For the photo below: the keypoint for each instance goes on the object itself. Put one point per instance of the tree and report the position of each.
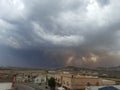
(51, 83)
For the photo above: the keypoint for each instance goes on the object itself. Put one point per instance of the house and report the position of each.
(107, 82)
(50, 74)
(60, 88)
(38, 80)
(20, 78)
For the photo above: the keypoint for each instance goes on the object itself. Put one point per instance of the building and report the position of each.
(79, 82)
(20, 78)
(60, 88)
(5, 86)
(38, 80)
(107, 82)
(76, 82)
(51, 74)
(29, 77)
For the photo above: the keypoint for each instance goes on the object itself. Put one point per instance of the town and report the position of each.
(67, 78)
(59, 44)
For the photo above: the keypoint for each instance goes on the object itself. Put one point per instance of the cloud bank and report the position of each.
(61, 33)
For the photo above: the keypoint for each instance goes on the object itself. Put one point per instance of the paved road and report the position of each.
(23, 87)
(36, 87)
(27, 87)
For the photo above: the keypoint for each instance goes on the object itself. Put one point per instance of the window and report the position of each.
(88, 84)
(67, 83)
(97, 83)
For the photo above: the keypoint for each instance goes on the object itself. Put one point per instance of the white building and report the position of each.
(108, 82)
(5, 86)
(38, 80)
(20, 78)
(60, 88)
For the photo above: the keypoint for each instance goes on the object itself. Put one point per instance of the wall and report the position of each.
(5, 86)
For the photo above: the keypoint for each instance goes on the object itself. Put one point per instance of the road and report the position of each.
(23, 87)
(27, 87)
(36, 87)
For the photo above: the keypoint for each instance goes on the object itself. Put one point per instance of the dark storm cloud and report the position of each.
(59, 33)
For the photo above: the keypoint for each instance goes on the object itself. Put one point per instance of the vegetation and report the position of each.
(51, 83)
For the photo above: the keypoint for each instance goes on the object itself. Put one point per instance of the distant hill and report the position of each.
(20, 68)
(72, 68)
(116, 68)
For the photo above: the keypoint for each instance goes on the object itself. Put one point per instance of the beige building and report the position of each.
(107, 82)
(78, 82)
(49, 75)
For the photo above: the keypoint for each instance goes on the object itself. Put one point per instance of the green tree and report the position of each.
(51, 83)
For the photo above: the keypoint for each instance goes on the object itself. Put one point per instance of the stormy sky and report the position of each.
(57, 33)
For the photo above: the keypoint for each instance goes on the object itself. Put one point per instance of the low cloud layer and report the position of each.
(60, 33)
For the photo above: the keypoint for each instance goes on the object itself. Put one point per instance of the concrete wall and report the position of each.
(5, 86)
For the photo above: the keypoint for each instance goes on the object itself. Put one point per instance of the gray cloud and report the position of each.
(76, 31)
(103, 2)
